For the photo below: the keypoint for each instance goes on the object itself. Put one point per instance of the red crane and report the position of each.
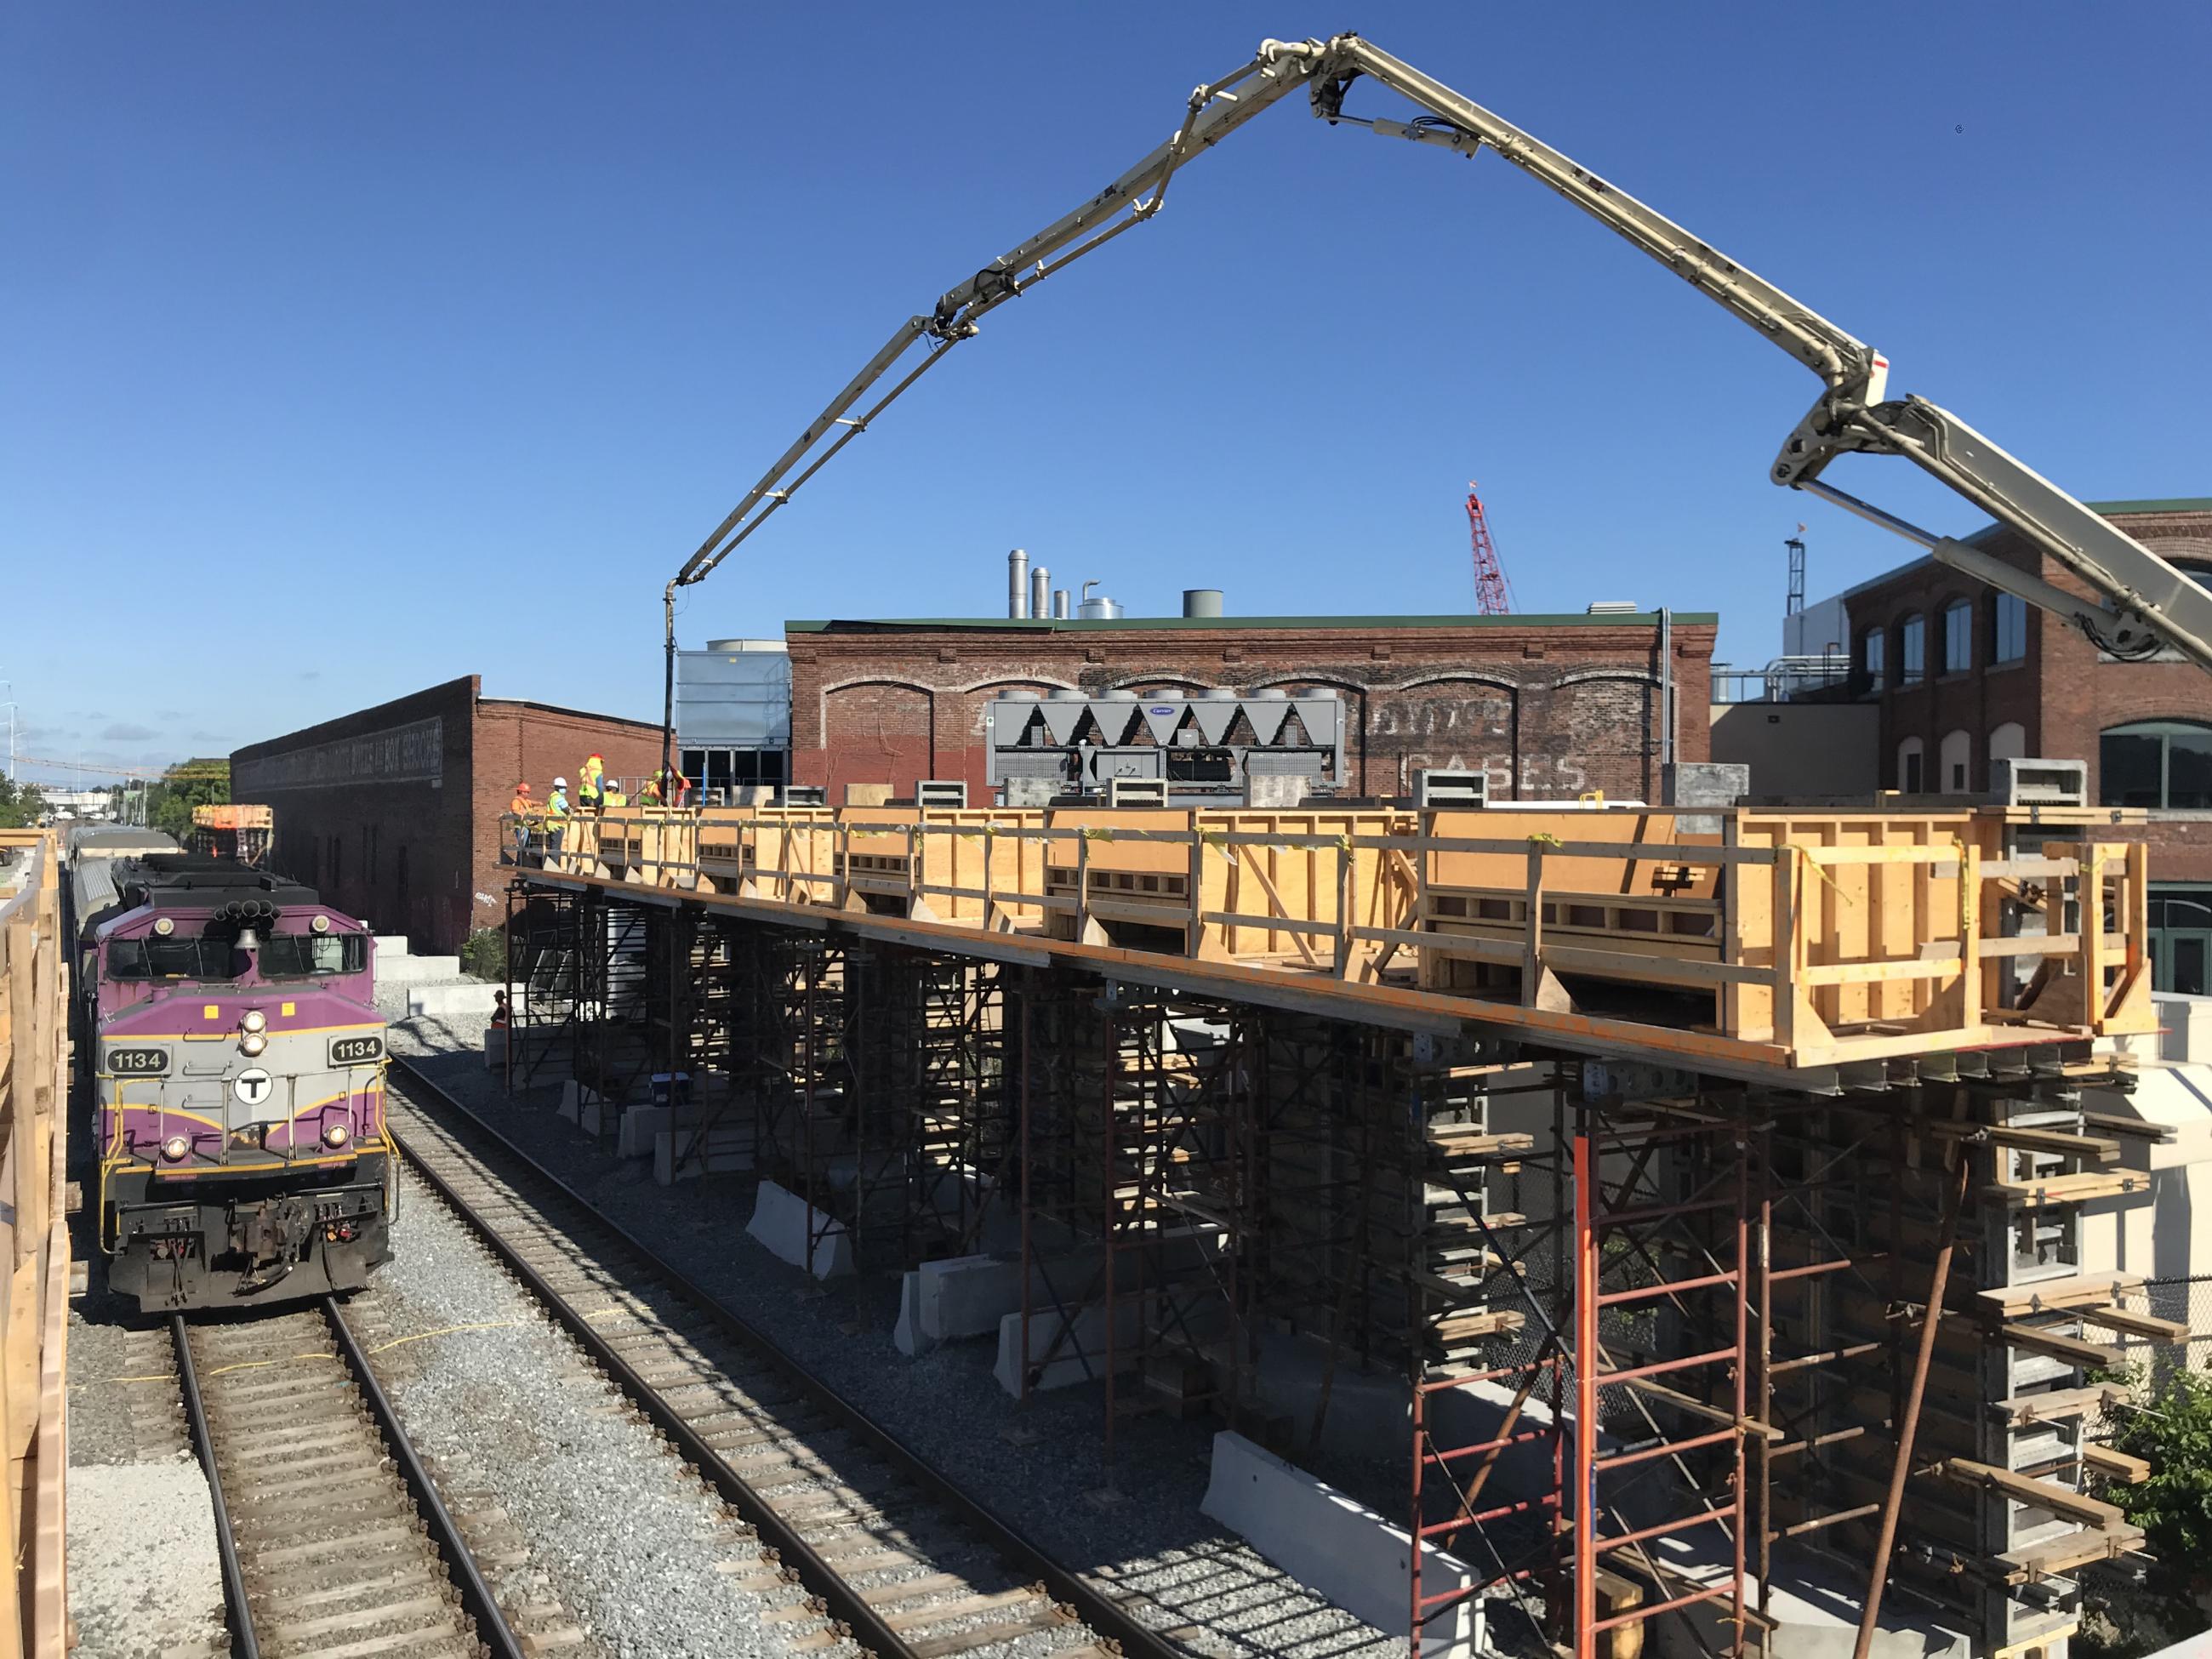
(1493, 594)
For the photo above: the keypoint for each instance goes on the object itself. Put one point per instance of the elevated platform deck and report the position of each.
(1822, 951)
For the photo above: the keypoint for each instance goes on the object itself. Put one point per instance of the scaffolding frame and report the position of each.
(1731, 1322)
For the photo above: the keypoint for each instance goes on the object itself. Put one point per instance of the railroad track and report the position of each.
(904, 1563)
(331, 1535)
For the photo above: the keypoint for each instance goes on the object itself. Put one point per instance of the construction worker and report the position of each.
(557, 815)
(611, 797)
(523, 808)
(588, 792)
(658, 786)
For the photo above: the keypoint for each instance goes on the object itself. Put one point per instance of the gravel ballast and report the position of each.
(1041, 1466)
(143, 1577)
(636, 1550)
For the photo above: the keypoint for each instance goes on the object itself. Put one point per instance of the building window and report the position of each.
(2009, 741)
(1909, 755)
(1873, 651)
(2156, 763)
(1956, 759)
(1958, 638)
(2181, 939)
(1911, 650)
(2008, 628)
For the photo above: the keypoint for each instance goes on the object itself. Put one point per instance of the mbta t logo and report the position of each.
(252, 1086)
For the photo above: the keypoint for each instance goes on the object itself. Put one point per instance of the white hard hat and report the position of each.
(560, 783)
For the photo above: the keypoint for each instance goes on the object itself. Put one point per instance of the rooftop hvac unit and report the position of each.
(1438, 786)
(1205, 743)
(941, 792)
(2039, 782)
(1136, 791)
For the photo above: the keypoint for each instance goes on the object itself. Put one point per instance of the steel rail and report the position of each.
(493, 1632)
(243, 1645)
(1100, 1611)
(476, 1598)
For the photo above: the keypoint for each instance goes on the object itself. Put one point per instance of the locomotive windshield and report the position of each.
(154, 957)
(295, 956)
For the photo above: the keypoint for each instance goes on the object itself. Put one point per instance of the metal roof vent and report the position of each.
(1614, 608)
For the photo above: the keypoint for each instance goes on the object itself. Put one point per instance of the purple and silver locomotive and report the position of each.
(238, 1063)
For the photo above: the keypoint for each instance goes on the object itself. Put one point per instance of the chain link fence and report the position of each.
(2187, 1301)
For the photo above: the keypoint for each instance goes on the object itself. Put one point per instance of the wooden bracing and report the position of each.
(1774, 940)
(35, 1246)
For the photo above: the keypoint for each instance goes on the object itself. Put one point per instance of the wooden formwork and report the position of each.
(1817, 937)
(34, 1249)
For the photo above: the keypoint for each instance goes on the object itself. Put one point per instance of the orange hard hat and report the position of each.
(521, 788)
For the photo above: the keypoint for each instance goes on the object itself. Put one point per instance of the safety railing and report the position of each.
(1874, 932)
(34, 1247)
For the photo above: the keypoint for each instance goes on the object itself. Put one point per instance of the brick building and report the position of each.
(1962, 674)
(1550, 706)
(393, 813)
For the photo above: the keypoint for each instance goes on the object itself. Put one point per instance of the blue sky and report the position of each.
(351, 348)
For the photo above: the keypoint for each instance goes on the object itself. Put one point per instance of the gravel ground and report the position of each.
(144, 1578)
(635, 1546)
(1041, 1467)
(143, 1572)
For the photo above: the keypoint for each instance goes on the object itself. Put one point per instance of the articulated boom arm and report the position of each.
(2141, 604)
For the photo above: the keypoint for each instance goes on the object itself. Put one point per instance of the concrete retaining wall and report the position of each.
(1336, 1548)
(783, 1221)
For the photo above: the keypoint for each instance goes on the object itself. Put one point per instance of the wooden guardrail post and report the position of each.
(1787, 930)
(33, 1247)
(1531, 947)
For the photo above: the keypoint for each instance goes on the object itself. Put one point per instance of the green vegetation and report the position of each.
(200, 783)
(2172, 1428)
(484, 955)
(19, 804)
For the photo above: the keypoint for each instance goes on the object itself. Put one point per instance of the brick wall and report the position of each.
(535, 743)
(1548, 708)
(393, 813)
(372, 809)
(2062, 695)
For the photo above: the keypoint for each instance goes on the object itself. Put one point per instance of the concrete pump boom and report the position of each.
(2140, 603)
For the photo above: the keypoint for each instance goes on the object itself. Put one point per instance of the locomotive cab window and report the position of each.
(153, 957)
(297, 956)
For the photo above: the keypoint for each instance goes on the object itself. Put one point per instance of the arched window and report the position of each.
(1954, 763)
(1911, 650)
(1958, 647)
(2008, 628)
(1909, 755)
(1873, 657)
(2009, 741)
(2156, 763)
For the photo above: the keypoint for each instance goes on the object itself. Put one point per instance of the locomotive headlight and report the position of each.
(252, 1044)
(321, 924)
(175, 1147)
(255, 1020)
(336, 1135)
(164, 926)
